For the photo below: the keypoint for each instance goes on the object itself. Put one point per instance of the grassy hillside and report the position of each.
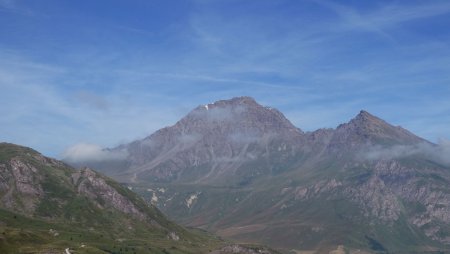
(20, 234)
(48, 206)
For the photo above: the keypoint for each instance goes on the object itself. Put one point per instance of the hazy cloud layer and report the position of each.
(84, 152)
(439, 153)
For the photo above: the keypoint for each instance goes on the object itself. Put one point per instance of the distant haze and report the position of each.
(91, 153)
(440, 152)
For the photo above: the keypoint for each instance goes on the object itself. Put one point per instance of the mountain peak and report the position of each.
(366, 118)
(365, 114)
(241, 100)
(367, 126)
(238, 114)
(233, 102)
(212, 136)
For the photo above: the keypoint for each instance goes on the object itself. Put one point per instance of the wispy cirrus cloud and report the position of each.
(42, 113)
(17, 7)
(386, 15)
(319, 62)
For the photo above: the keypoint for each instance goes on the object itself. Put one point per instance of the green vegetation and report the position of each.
(59, 213)
(20, 234)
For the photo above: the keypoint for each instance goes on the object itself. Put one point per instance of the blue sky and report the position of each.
(106, 72)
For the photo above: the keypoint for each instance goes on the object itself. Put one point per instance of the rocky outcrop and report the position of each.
(18, 178)
(314, 190)
(376, 200)
(90, 184)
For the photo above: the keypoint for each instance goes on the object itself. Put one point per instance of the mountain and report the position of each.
(48, 207)
(244, 171)
(213, 144)
(368, 129)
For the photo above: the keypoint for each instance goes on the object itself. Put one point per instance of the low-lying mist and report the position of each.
(439, 153)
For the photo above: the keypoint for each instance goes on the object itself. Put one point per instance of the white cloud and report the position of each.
(439, 153)
(389, 15)
(444, 151)
(84, 152)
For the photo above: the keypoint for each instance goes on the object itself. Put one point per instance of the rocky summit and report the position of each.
(212, 144)
(244, 171)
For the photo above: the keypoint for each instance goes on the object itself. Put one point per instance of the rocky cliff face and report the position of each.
(88, 183)
(424, 186)
(20, 179)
